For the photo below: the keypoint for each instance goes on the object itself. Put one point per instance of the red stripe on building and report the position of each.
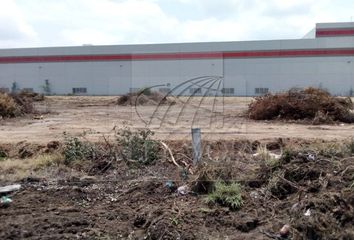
(180, 56)
(334, 32)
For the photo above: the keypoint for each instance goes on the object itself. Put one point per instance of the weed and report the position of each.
(19, 168)
(288, 155)
(75, 149)
(271, 160)
(174, 220)
(228, 195)
(330, 150)
(138, 146)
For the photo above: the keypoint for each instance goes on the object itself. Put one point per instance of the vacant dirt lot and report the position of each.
(291, 174)
(99, 115)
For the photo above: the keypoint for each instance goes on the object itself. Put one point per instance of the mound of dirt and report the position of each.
(144, 98)
(310, 103)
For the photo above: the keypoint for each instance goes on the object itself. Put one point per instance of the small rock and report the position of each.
(308, 213)
(254, 195)
(311, 157)
(182, 190)
(284, 231)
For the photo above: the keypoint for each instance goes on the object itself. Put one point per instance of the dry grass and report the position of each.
(16, 169)
(269, 158)
(8, 106)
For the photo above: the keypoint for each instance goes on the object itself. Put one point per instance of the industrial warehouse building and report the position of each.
(324, 58)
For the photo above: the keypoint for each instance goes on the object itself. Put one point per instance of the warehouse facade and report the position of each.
(325, 59)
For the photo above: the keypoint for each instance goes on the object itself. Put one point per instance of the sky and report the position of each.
(42, 23)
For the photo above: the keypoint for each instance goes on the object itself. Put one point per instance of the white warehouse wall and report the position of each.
(115, 70)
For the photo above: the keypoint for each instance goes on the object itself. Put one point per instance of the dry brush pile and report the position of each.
(309, 104)
(145, 98)
(17, 104)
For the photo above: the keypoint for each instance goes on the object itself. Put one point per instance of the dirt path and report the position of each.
(99, 115)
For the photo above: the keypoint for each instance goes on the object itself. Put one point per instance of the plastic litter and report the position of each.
(10, 188)
(284, 231)
(254, 195)
(170, 185)
(182, 190)
(308, 213)
(311, 157)
(5, 201)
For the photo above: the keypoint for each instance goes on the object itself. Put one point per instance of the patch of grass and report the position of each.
(271, 160)
(138, 146)
(330, 150)
(228, 195)
(20, 168)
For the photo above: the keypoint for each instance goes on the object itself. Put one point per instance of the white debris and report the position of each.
(10, 188)
(308, 213)
(183, 190)
(295, 207)
(254, 195)
(311, 157)
(284, 231)
(5, 201)
(272, 155)
(275, 156)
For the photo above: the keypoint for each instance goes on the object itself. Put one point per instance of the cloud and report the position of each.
(13, 27)
(36, 23)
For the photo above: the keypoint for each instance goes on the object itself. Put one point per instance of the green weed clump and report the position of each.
(75, 149)
(139, 146)
(228, 195)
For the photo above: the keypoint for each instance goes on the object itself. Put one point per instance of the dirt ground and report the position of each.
(134, 202)
(99, 115)
(310, 188)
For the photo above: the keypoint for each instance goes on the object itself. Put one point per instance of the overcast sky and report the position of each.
(40, 23)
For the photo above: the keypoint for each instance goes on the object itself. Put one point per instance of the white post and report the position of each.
(196, 144)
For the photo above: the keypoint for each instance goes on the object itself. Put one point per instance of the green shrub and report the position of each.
(228, 195)
(138, 146)
(75, 149)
